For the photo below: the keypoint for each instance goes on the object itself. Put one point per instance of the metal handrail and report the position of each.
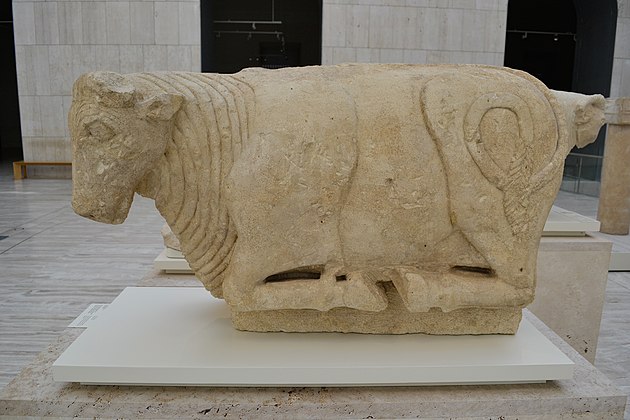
(586, 155)
(580, 159)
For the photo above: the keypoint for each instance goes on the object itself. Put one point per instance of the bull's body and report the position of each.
(438, 179)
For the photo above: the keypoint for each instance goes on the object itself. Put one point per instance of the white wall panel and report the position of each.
(24, 14)
(381, 27)
(142, 22)
(155, 58)
(31, 123)
(107, 57)
(344, 55)
(189, 24)
(357, 26)
(41, 66)
(25, 69)
(118, 28)
(61, 70)
(94, 22)
(58, 40)
(131, 58)
(390, 55)
(166, 23)
(46, 23)
(334, 26)
(52, 118)
(70, 18)
(178, 58)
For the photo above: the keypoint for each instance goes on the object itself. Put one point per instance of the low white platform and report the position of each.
(620, 261)
(620, 257)
(561, 222)
(183, 336)
(175, 264)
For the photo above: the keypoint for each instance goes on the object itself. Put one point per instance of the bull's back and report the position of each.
(397, 209)
(350, 157)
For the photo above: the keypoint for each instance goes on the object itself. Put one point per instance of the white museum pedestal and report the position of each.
(183, 336)
(171, 261)
(34, 393)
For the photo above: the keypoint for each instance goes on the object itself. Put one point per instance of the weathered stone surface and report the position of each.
(335, 189)
(614, 199)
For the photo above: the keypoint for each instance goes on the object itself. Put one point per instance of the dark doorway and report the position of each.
(541, 38)
(569, 45)
(259, 33)
(10, 134)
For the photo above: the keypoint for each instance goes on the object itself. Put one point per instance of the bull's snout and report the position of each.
(113, 212)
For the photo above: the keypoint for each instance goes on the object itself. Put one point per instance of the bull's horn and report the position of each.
(110, 89)
(161, 107)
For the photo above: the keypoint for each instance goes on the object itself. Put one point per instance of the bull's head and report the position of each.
(118, 134)
(585, 116)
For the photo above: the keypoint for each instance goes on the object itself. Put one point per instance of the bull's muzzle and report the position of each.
(112, 212)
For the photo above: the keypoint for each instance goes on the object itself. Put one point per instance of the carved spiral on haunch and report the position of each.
(518, 162)
(514, 181)
(208, 134)
(520, 179)
(556, 161)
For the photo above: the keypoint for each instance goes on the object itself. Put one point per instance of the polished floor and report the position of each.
(53, 263)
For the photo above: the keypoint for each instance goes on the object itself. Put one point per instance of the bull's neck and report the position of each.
(187, 182)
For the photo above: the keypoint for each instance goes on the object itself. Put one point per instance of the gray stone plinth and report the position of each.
(589, 395)
(572, 275)
(614, 197)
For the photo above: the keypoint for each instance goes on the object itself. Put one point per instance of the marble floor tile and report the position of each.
(54, 263)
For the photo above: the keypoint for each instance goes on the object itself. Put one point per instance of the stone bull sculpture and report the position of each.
(355, 198)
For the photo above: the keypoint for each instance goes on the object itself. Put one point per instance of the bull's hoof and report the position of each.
(414, 290)
(361, 292)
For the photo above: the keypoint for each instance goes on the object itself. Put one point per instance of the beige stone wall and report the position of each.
(414, 31)
(56, 41)
(620, 82)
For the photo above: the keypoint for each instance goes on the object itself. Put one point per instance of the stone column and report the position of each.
(614, 197)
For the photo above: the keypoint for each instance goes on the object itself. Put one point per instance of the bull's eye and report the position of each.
(99, 130)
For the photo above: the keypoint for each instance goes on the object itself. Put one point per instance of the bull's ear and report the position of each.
(160, 107)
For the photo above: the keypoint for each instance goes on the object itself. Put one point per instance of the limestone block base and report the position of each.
(571, 286)
(396, 319)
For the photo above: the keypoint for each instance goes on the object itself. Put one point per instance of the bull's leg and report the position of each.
(505, 279)
(456, 289)
(508, 280)
(319, 287)
(330, 288)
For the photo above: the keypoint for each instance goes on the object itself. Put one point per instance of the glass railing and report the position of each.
(582, 174)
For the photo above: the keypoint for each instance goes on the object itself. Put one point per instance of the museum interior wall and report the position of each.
(414, 31)
(56, 41)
